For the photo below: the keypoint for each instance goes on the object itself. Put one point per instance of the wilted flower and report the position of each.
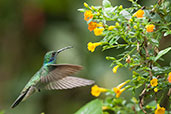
(128, 59)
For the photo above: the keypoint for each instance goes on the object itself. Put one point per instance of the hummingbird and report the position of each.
(52, 76)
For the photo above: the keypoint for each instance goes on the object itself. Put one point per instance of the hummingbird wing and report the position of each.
(59, 71)
(68, 82)
(59, 77)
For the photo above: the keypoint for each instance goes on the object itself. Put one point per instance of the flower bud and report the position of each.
(116, 24)
(93, 8)
(85, 4)
(120, 7)
(135, 27)
(111, 27)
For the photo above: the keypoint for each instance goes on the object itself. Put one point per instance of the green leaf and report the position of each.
(167, 33)
(93, 107)
(106, 4)
(161, 53)
(126, 14)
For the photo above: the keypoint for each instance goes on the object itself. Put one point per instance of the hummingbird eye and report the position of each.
(53, 54)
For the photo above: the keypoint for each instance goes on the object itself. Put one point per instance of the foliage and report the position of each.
(138, 30)
(94, 107)
(2, 112)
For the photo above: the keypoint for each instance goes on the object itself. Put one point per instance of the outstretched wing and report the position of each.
(59, 71)
(68, 82)
(60, 77)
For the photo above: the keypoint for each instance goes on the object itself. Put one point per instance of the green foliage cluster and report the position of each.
(141, 54)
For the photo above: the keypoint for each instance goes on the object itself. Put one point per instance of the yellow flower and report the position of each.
(150, 28)
(92, 46)
(88, 15)
(93, 8)
(120, 7)
(159, 110)
(115, 69)
(85, 4)
(96, 91)
(135, 27)
(154, 82)
(169, 77)
(122, 84)
(105, 107)
(139, 13)
(116, 24)
(111, 27)
(131, 20)
(118, 89)
(155, 90)
(92, 26)
(100, 24)
(98, 31)
(98, 13)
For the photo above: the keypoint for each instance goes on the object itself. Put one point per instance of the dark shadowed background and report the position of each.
(30, 28)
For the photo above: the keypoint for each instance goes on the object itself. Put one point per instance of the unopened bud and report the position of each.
(116, 24)
(111, 27)
(98, 13)
(120, 7)
(93, 8)
(135, 27)
(85, 4)
(131, 20)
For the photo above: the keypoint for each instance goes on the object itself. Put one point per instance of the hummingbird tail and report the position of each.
(19, 99)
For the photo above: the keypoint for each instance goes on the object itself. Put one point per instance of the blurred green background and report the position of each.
(30, 28)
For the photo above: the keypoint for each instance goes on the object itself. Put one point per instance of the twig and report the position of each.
(141, 97)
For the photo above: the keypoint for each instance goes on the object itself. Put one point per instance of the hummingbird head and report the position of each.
(50, 57)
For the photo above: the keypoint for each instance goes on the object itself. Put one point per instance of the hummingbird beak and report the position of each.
(60, 50)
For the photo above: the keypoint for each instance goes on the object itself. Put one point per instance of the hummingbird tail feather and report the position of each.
(19, 99)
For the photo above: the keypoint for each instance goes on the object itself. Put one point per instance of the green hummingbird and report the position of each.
(52, 76)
